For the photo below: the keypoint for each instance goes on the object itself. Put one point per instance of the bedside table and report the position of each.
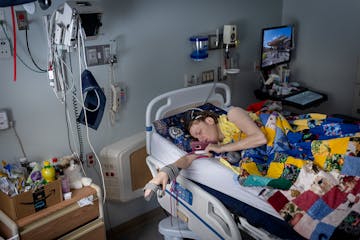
(65, 220)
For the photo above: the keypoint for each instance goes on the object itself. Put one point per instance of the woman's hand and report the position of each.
(214, 148)
(160, 179)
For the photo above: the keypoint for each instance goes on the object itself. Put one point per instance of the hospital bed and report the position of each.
(207, 196)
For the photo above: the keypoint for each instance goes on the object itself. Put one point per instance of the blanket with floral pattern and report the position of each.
(311, 166)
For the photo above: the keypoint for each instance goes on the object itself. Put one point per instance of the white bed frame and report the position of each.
(204, 214)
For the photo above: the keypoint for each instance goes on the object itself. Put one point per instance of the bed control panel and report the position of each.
(182, 193)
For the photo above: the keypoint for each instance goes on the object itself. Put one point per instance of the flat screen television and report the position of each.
(277, 43)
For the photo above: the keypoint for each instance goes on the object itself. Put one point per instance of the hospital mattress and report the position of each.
(211, 173)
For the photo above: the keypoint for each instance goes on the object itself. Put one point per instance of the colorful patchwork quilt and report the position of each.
(311, 170)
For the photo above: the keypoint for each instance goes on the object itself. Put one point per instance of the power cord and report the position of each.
(81, 44)
(11, 46)
(12, 125)
(28, 48)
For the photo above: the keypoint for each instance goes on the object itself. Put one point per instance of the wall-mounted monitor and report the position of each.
(276, 46)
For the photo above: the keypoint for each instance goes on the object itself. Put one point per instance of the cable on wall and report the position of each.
(14, 35)
(81, 45)
(17, 55)
(76, 113)
(28, 49)
(12, 125)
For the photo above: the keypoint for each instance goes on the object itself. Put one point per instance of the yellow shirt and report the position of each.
(229, 130)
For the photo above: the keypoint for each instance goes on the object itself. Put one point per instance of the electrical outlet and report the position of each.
(208, 76)
(98, 54)
(22, 20)
(5, 50)
(90, 159)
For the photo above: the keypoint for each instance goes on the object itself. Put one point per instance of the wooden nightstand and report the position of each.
(65, 220)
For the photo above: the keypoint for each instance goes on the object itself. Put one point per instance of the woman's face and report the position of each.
(205, 131)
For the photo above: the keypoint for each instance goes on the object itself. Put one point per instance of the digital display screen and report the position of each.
(304, 98)
(276, 46)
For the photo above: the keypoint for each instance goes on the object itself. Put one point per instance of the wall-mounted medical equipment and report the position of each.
(199, 47)
(229, 34)
(98, 54)
(90, 15)
(67, 28)
(230, 40)
(94, 101)
(44, 4)
(8, 3)
(66, 21)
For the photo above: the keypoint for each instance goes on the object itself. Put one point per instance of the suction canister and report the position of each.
(199, 48)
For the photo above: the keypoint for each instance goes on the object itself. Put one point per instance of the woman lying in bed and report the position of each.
(310, 165)
(206, 127)
(273, 149)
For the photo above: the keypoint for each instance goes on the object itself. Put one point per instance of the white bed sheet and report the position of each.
(210, 172)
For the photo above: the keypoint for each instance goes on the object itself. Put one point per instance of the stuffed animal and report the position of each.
(74, 174)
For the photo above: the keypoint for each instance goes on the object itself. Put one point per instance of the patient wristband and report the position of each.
(171, 170)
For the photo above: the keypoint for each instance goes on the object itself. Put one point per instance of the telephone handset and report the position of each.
(116, 97)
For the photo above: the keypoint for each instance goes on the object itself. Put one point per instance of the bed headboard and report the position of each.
(180, 100)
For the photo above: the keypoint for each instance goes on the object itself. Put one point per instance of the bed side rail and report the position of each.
(183, 97)
(204, 214)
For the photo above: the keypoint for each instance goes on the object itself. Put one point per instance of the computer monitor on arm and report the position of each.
(276, 45)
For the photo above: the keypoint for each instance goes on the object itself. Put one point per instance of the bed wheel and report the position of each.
(173, 228)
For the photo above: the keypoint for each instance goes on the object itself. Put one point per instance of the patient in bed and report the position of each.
(308, 164)
(223, 133)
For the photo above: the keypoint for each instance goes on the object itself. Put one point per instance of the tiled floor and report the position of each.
(146, 229)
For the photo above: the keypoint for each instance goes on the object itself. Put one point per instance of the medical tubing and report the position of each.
(76, 113)
(31, 57)
(211, 91)
(67, 124)
(83, 44)
(72, 134)
(69, 70)
(78, 126)
(73, 85)
(86, 122)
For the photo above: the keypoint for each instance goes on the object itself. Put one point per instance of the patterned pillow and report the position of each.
(173, 127)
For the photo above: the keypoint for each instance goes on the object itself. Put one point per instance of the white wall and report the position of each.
(327, 48)
(153, 53)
